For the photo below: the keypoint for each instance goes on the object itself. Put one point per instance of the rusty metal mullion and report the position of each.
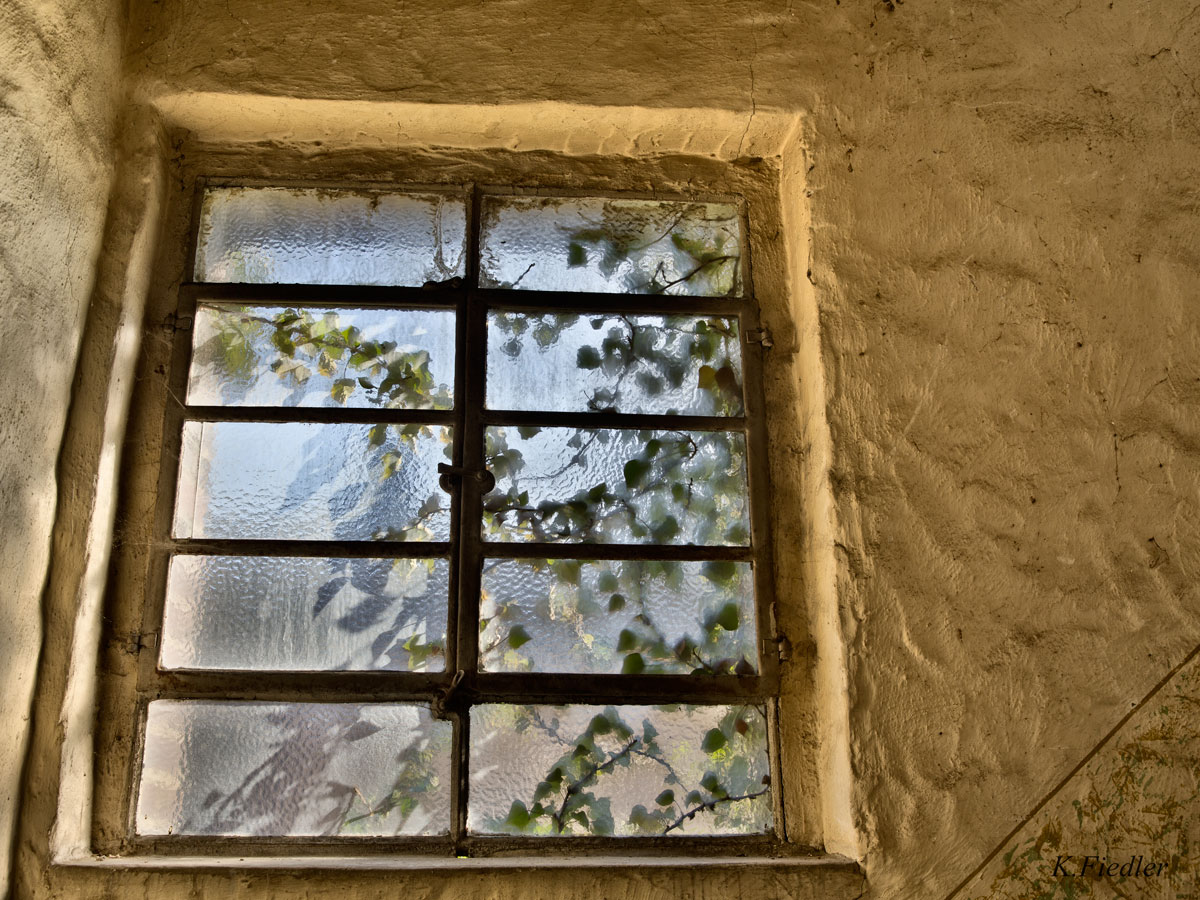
(558, 688)
(676, 552)
(593, 420)
(343, 296)
(174, 416)
(468, 458)
(320, 415)
(508, 300)
(757, 471)
(300, 687)
(319, 549)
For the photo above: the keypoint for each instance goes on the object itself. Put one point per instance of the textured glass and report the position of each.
(623, 770)
(302, 769)
(305, 614)
(305, 481)
(619, 485)
(605, 616)
(630, 364)
(283, 356)
(612, 246)
(277, 235)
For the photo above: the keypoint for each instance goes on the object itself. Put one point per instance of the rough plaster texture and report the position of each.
(1002, 204)
(59, 83)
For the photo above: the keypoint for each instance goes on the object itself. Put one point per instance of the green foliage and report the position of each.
(581, 787)
(681, 248)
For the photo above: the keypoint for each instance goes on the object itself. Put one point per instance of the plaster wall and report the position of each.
(1001, 203)
(60, 69)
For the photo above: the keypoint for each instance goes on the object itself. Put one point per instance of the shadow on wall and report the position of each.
(1125, 825)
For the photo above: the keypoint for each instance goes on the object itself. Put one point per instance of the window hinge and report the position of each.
(136, 642)
(760, 336)
(175, 323)
(783, 647)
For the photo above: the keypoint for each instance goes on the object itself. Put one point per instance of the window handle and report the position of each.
(485, 479)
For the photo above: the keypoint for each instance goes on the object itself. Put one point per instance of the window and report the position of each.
(466, 550)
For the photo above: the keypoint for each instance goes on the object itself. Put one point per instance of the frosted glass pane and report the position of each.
(306, 481)
(305, 769)
(623, 771)
(605, 617)
(613, 246)
(305, 614)
(282, 356)
(278, 235)
(621, 485)
(629, 364)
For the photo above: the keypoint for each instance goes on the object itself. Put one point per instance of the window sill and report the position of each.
(830, 864)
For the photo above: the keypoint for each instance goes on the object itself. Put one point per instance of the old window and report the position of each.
(465, 548)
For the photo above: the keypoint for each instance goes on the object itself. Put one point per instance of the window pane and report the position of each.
(282, 356)
(305, 614)
(276, 769)
(605, 617)
(630, 364)
(623, 771)
(622, 485)
(611, 246)
(305, 481)
(278, 235)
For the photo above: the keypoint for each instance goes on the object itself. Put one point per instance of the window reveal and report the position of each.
(463, 543)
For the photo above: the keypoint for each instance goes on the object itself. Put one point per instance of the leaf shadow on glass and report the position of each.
(300, 769)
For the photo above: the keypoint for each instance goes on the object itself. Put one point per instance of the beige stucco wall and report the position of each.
(59, 84)
(1002, 206)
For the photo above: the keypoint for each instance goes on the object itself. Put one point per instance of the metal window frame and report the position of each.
(466, 550)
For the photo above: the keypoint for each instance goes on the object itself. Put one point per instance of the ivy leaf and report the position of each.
(727, 617)
(665, 530)
(633, 665)
(713, 741)
(377, 435)
(720, 571)
(576, 255)
(666, 798)
(627, 640)
(635, 471)
(518, 816)
(587, 358)
(518, 636)
(616, 603)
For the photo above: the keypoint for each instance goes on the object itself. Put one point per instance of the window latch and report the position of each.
(760, 336)
(442, 699)
(485, 479)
